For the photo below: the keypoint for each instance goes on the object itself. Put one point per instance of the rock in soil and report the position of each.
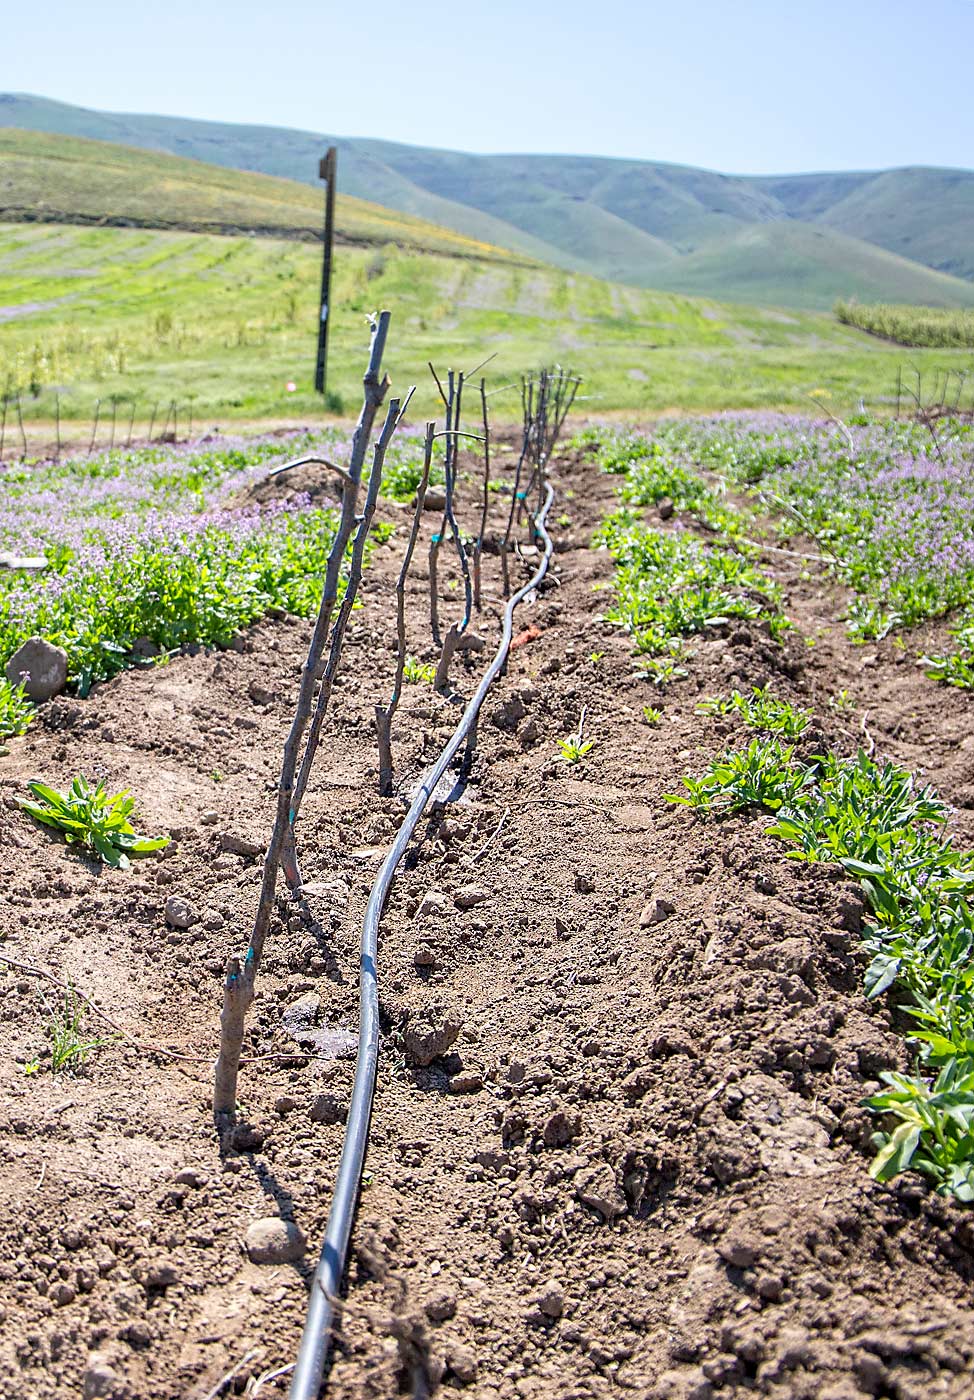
(427, 1039)
(179, 912)
(45, 665)
(274, 1241)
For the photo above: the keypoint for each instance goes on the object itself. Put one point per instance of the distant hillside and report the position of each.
(56, 179)
(800, 240)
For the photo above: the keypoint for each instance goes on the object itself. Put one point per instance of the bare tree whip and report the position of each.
(384, 716)
(240, 977)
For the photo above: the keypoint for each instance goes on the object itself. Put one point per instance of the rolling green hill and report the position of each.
(58, 179)
(651, 224)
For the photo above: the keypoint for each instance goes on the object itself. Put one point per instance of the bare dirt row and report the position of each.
(640, 1165)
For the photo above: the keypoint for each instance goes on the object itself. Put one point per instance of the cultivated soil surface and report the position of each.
(641, 1166)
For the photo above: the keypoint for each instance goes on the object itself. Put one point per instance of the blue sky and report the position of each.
(754, 87)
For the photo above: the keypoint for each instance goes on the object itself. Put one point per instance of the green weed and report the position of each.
(89, 817)
(761, 710)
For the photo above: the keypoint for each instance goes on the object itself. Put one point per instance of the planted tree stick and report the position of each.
(152, 420)
(241, 975)
(479, 546)
(128, 439)
(57, 426)
(384, 717)
(393, 417)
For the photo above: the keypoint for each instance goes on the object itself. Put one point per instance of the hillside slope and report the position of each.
(56, 179)
(648, 223)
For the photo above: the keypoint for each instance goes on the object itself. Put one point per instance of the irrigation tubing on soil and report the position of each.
(316, 1339)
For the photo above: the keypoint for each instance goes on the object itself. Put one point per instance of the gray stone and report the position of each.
(597, 1188)
(551, 1301)
(470, 895)
(179, 912)
(46, 668)
(425, 1040)
(192, 1176)
(327, 1108)
(435, 499)
(101, 1380)
(236, 845)
(274, 1241)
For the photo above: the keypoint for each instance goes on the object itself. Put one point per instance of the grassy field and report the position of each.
(223, 324)
(911, 325)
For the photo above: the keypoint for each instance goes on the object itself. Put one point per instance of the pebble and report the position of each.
(584, 883)
(209, 818)
(433, 902)
(235, 844)
(192, 1176)
(327, 1108)
(424, 957)
(469, 896)
(425, 1039)
(179, 912)
(101, 1380)
(551, 1301)
(664, 508)
(274, 1241)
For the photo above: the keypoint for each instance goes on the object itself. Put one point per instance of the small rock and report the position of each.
(469, 896)
(463, 1363)
(432, 902)
(560, 1129)
(435, 499)
(137, 1335)
(260, 694)
(530, 734)
(597, 1188)
(551, 1301)
(424, 957)
(101, 1380)
(466, 1083)
(647, 915)
(285, 1103)
(161, 1276)
(71, 1237)
(46, 668)
(425, 1040)
(664, 508)
(179, 912)
(327, 1108)
(210, 818)
(662, 909)
(236, 845)
(584, 883)
(62, 1294)
(737, 1250)
(274, 1241)
(192, 1176)
(442, 1305)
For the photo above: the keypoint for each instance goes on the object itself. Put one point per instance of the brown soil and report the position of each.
(640, 1169)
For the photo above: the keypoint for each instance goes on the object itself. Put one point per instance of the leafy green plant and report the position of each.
(418, 672)
(651, 715)
(669, 584)
(662, 670)
(70, 1047)
(760, 710)
(888, 832)
(575, 747)
(88, 816)
(16, 711)
(956, 667)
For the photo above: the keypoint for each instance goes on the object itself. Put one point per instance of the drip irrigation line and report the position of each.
(316, 1339)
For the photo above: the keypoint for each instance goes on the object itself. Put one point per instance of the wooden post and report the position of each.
(326, 172)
